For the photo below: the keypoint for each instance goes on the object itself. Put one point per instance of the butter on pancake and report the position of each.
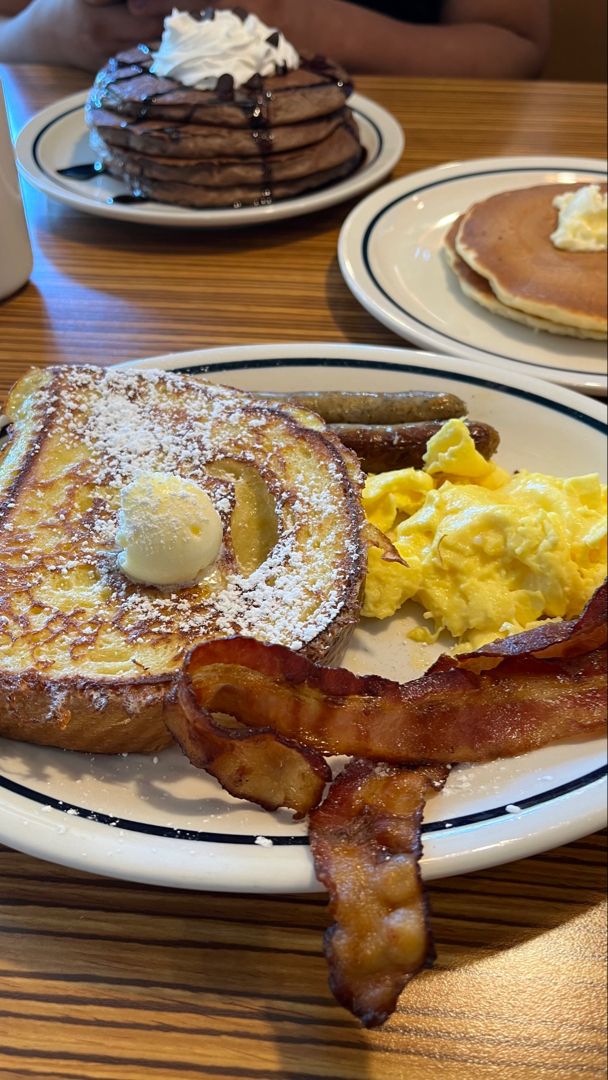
(478, 288)
(506, 239)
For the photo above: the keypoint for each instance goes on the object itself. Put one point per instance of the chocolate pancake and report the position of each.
(273, 138)
(127, 87)
(237, 195)
(338, 148)
(478, 288)
(507, 240)
(195, 141)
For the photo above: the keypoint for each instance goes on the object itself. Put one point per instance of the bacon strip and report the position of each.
(503, 699)
(449, 715)
(365, 842)
(257, 765)
(561, 638)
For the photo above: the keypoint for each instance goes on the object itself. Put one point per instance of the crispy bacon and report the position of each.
(365, 841)
(561, 638)
(257, 765)
(503, 699)
(449, 715)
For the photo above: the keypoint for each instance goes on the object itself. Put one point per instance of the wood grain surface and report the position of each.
(105, 979)
(111, 980)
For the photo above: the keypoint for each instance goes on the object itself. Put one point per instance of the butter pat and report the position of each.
(168, 529)
(581, 224)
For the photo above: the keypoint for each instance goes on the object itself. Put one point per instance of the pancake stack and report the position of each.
(503, 257)
(272, 138)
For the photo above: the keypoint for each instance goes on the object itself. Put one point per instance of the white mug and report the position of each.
(15, 248)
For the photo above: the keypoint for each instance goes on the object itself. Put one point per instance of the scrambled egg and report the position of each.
(487, 554)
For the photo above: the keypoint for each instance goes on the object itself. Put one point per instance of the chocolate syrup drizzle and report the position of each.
(256, 104)
(90, 169)
(87, 171)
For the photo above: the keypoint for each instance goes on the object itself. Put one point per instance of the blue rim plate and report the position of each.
(390, 257)
(159, 820)
(57, 138)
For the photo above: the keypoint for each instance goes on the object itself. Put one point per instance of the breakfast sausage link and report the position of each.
(360, 407)
(381, 447)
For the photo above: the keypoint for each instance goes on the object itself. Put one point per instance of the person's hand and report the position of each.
(82, 33)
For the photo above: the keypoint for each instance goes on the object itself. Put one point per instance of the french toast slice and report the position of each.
(86, 655)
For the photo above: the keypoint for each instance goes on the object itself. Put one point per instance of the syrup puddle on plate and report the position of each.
(87, 171)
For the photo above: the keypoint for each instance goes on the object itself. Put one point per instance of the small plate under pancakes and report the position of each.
(390, 253)
(57, 138)
(157, 819)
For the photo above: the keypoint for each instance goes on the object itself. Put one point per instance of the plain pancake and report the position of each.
(506, 239)
(478, 288)
(127, 87)
(156, 137)
(337, 148)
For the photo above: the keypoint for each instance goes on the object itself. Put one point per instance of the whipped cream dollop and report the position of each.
(581, 223)
(168, 529)
(198, 52)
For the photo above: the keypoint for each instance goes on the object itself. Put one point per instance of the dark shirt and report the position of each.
(415, 11)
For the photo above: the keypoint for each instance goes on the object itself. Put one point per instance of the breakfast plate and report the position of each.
(57, 139)
(157, 819)
(391, 259)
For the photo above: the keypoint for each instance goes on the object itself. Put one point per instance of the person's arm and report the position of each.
(11, 7)
(479, 38)
(491, 38)
(77, 33)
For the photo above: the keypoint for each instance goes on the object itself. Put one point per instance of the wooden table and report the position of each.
(106, 979)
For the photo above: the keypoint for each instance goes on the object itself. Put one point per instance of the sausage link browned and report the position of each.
(381, 447)
(359, 407)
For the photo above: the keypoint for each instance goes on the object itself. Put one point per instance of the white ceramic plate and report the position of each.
(57, 138)
(159, 820)
(390, 256)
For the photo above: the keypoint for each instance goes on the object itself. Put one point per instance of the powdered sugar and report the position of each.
(117, 424)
